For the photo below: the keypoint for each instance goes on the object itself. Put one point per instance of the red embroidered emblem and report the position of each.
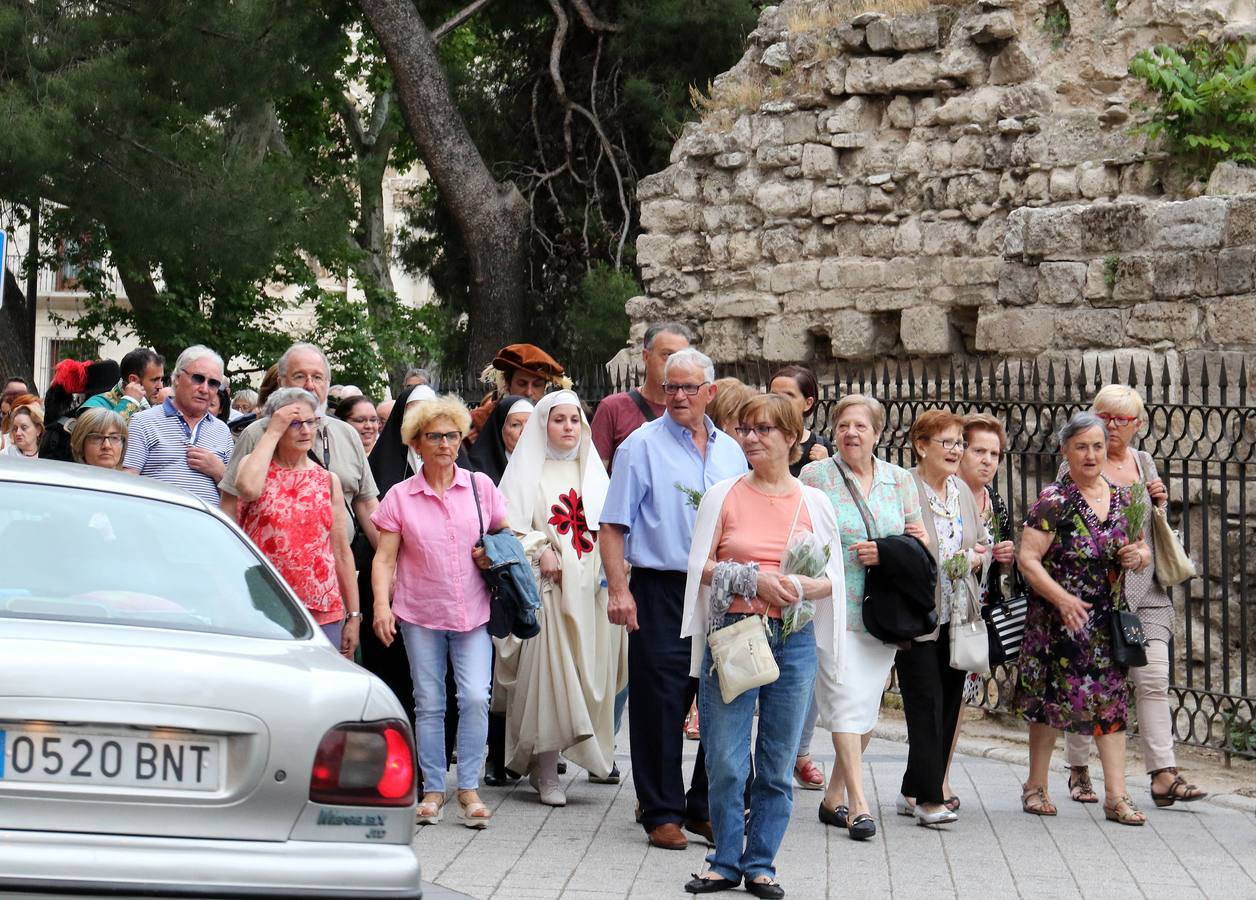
(568, 517)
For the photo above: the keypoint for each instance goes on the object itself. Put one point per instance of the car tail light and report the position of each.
(365, 764)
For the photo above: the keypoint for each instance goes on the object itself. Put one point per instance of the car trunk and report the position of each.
(122, 730)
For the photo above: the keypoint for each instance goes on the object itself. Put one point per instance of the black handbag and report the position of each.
(1129, 642)
(513, 596)
(1005, 625)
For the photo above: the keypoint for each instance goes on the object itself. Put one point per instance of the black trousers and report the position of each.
(658, 670)
(932, 693)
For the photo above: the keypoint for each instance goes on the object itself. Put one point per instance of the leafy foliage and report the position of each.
(1206, 107)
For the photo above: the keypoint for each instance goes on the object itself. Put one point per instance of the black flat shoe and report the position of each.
(700, 885)
(495, 779)
(834, 817)
(862, 828)
(768, 890)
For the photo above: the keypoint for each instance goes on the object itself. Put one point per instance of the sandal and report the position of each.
(429, 811)
(1036, 802)
(1080, 788)
(952, 803)
(692, 732)
(807, 775)
(473, 814)
(1123, 811)
(1178, 790)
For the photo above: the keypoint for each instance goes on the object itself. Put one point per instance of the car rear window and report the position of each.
(91, 556)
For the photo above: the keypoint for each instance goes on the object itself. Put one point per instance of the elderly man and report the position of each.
(142, 372)
(180, 441)
(647, 521)
(619, 415)
(336, 445)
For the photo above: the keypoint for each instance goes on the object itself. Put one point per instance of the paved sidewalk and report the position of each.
(592, 849)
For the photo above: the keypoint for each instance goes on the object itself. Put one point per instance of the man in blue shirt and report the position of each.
(647, 522)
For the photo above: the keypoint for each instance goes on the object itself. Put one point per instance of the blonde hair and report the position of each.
(419, 415)
(730, 396)
(982, 422)
(1119, 399)
(96, 421)
(780, 411)
(876, 412)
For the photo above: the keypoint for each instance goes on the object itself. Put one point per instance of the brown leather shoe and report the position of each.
(668, 836)
(702, 829)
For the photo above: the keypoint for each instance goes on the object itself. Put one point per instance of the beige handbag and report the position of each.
(742, 657)
(1173, 564)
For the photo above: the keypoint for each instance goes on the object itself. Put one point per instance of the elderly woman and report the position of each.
(849, 704)
(359, 411)
(425, 582)
(729, 397)
(744, 528)
(1121, 409)
(558, 689)
(99, 438)
(986, 441)
(932, 690)
(25, 426)
(293, 510)
(1073, 548)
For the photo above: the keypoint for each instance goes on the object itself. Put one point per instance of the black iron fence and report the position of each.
(1202, 435)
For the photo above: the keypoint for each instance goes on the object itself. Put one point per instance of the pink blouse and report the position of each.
(438, 584)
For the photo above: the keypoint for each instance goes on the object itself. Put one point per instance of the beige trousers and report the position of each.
(1155, 720)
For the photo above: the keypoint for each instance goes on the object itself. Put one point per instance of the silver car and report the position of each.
(171, 719)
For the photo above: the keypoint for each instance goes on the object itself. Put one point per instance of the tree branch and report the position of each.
(590, 19)
(458, 18)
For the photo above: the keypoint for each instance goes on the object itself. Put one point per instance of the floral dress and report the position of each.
(1069, 681)
(291, 522)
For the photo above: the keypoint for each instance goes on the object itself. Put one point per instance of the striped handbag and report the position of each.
(1005, 626)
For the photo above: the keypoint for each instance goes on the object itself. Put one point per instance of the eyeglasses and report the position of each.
(198, 378)
(298, 424)
(949, 444)
(366, 420)
(300, 378)
(1113, 419)
(440, 437)
(761, 430)
(95, 438)
(690, 390)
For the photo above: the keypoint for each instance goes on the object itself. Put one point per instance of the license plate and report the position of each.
(62, 754)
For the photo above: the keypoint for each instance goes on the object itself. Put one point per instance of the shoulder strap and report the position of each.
(478, 513)
(639, 400)
(1142, 465)
(853, 488)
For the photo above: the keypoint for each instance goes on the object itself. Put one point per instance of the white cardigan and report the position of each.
(830, 617)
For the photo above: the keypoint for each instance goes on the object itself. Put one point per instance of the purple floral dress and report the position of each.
(1069, 681)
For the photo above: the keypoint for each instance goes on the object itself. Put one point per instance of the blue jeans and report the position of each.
(472, 656)
(743, 851)
(621, 700)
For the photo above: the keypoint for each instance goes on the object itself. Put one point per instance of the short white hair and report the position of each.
(302, 346)
(689, 357)
(285, 396)
(192, 354)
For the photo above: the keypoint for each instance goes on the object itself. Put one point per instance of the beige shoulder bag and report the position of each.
(1173, 564)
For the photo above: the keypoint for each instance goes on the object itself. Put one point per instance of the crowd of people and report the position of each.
(685, 510)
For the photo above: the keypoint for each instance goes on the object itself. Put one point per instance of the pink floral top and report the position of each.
(291, 523)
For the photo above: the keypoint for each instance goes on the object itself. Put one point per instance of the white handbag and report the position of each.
(742, 657)
(970, 640)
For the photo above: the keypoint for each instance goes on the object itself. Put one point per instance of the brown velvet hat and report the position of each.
(530, 359)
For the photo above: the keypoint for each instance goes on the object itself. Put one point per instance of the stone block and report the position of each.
(817, 301)
(1025, 100)
(1063, 185)
(1097, 180)
(965, 271)
(1241, 222)
(912, 73)
(776, 57)
(1089, 328)
(734, 160)
(1232, 320)
(1134, 279)
(800, 127)
(730, 340)
(795, 276)
(826, 202)
(771, 156)
(1037, 186)
(1151, 322)
(833, 76)
(743, 249)
(780, 244)
(914, 158)
(660, 184)
(1011, 65)
(1231, 178)
(667, 215)
(866, 75)
(746, 304)
(766, 130)
(1060, 283)
(879, 200)
(672, 283)
(1200, 222)
(848, 141)
(1018, 285)
(927, 331)
(852, 272)
(818, 161)
(917, 32)
(854, 199)
(858, 335)
(781, 200)
(946, 238)
(730, 217)
(1096, 286)
(879, 35)
(970, 296)
(689, 250)
(899, 113)
(969, 153)
(992, 28)
(1082, 231)
(964, 62)
(1236, 270)
(907, 238)
(850, 115)
(886, 301)
(911, 273)
(786, 339)
(1014, 331)
(876, 240)
(654, 250)
(1184, 274)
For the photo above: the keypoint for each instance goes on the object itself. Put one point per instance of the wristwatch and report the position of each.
(356, 614)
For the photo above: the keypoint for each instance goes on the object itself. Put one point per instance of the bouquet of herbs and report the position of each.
(692, 497)
(1136, 512)
(956, 566)
(806, 556)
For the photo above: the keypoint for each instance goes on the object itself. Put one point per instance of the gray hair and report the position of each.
(424, 376)
(247, 395)
(192, 354)
(677, 328)
(285, 396)
(298, 348)
(690, 357)
(1081, 421)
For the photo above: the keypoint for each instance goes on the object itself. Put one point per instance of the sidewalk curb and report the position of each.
(1020, 756)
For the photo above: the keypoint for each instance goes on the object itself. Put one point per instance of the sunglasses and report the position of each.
(198, 378)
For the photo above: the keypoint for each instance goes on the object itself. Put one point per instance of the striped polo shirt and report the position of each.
(157, 446)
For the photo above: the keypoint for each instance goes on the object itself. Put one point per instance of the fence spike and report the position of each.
(1204, 381)
(1223, 382)
(1131, 376)
(1147, 380)
(1243, 382)
(1066, 380)
(1164, 382)
(885, 378)
(1050, 380)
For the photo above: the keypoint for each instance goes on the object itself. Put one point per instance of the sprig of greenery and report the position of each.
(693, 497)
(1136, 511)
(956, 566)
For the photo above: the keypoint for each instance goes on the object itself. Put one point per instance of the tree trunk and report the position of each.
(491, 217)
